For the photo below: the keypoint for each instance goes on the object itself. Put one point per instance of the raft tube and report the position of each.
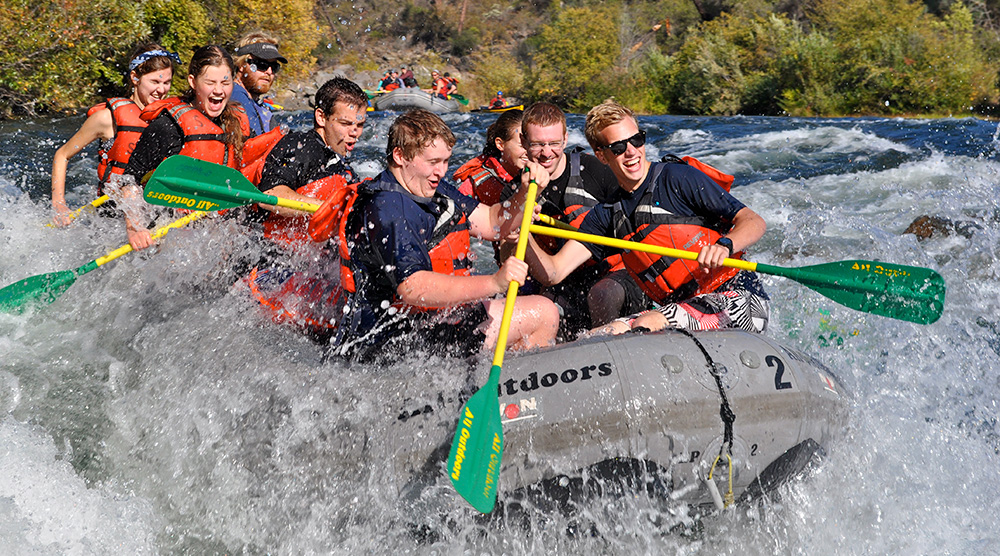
(408, 98)
(641, 410)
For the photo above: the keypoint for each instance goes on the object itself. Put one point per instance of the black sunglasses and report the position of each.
(619, 147)
(261, 65)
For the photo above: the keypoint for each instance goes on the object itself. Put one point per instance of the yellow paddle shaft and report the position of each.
(160, 232)
(634, 246)
(522, 248)
(93, 204)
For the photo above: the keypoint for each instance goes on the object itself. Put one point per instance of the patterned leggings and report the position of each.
(736, 308)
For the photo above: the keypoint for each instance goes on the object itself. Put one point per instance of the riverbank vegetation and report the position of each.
(702, 57)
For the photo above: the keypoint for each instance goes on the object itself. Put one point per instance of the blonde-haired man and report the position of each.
(674, 205)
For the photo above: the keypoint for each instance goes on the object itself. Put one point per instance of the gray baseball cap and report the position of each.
(262, 50)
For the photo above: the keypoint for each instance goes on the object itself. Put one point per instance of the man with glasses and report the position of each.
(257, 63)
(673, 205)
(578, 181)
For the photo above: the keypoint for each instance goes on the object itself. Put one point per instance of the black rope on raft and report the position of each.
(725, 410)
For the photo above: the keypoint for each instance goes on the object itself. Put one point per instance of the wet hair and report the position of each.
(251, 38)
(213, 55)
(503, 128)
(339, 89)
(155, 63)
(414, 131)
(605, 114)
(542, 114)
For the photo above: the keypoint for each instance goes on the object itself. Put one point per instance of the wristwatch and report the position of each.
(727, 243)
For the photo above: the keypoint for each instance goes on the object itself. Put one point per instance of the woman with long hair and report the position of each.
(201, 123)
(115, 122)
(500, 163)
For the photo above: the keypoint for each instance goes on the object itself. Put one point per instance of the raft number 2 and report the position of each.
(775, 363)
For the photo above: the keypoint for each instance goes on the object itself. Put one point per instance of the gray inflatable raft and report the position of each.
(406, 99)
(646, 411)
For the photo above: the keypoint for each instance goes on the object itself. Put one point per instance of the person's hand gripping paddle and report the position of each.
(476, 450)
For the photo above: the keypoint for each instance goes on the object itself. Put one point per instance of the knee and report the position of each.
(653, 320)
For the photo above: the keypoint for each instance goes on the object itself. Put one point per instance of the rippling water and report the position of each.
(153, 409)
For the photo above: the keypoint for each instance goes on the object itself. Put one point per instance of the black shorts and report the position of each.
(636, 300)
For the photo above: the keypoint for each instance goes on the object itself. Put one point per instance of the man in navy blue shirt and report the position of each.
(257, 65)
(408, 234)
(672, 205)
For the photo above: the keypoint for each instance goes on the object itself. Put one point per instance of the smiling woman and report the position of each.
(115, 122)
(201, 123)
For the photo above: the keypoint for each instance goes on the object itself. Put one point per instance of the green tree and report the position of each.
(574, 53)
(58, 52)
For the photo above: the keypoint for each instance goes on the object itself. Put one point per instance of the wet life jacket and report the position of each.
(255, 151)
(290, 231)
(301, 299)
(448, 249)
(665, 279)
(483, 178)
(203, 138)
(576, 201)
(128, 127)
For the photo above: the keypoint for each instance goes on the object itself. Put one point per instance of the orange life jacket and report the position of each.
(486, 179)
(128, 127)
(307, 302)
(291, 231)
(449, 246)
(203, 139)
(665, 279)
(255, 151)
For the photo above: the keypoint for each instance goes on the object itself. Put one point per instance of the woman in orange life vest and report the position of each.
(115, 122)
(503, 157)
(201, 123)
(675, 205)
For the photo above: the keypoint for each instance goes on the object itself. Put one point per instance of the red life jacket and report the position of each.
(448, 249)
(255, 151)
(301, 299)
(291, 231)
(203, 139)
(665, 279)
(483, 178)
(128, 127)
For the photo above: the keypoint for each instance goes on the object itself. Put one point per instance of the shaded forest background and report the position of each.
(702, 57)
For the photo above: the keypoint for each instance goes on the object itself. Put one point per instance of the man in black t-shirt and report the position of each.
(303, 157)
(578, 181)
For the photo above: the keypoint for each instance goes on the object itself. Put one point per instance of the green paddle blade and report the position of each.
(35, 290)
(909, 293)
(461, 99)
(188, 183)
(474, 461)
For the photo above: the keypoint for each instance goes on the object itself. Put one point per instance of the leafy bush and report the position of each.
(56, 54)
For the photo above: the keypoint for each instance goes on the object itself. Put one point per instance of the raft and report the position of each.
(639, 410)
(408, 98)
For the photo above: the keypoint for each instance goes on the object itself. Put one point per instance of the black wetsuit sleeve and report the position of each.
(599, 180)
(162, 138)
(287, 164)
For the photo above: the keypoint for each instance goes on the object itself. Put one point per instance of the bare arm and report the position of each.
(552, 269)
(97, 126)
(285, 192)
(748, 228)
(432, 289)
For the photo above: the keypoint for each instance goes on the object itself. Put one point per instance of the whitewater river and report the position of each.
(152, 409)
